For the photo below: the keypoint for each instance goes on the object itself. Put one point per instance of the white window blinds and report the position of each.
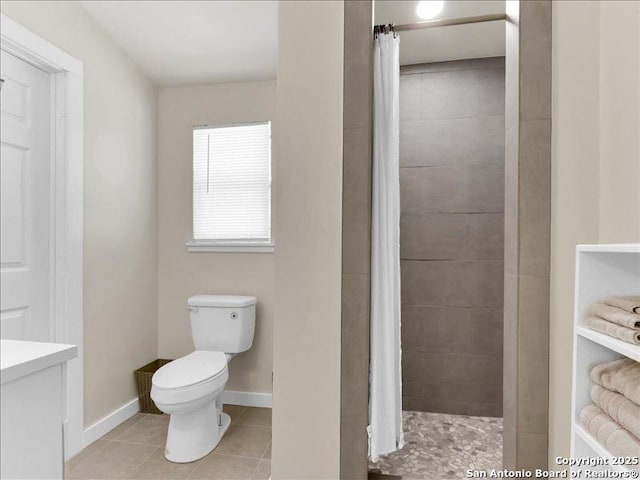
(232, 183)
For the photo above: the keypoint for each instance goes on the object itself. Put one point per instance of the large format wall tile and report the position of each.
(485, 188)
(486, 236)
(453, 369)
(356, 203)
(452, 189)
(486, 332)
(429, 190)
(435, 329)
(532, 450)
(456, 141)
(412, 373)
(535, 67)
(429, 329)
(460, 379)
(533, 358)
(428, 403)
(357, 39)
(455, 236)
(535, 198)
(465, 93)
(355, 335)
(357, 97)
(472, 63)
(353, 464)
(455, 283)
(410, 97)
(509, 441)
(434, 236)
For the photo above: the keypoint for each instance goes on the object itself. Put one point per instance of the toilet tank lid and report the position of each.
(221, 301)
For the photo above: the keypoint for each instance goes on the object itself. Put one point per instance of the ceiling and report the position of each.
(445, 43)
(194, 42)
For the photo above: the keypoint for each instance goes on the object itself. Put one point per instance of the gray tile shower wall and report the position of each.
(356, 237)
(451, 235)
(527, 234)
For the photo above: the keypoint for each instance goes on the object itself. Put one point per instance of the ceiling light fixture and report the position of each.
(428, 9)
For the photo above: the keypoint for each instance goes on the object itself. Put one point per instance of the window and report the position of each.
(232, 188)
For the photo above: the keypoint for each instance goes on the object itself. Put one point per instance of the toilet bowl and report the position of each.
(189, 389)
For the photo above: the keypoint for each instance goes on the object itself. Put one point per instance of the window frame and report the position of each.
(232, 245)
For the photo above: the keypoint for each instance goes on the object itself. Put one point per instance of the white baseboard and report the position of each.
(247, 399)
(129, 409)
(111, 421)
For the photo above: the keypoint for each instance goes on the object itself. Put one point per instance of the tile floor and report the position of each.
(135, 450)
(441, 447)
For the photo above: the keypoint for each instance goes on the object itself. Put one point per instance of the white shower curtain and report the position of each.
(385, 394)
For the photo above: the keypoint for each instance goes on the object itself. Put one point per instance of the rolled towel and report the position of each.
(620, 376)
(630, 303)
(621, 410)
(615, 315)
(598, 324)
(615, 439)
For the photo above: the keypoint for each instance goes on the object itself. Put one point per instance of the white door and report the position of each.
(25, 184)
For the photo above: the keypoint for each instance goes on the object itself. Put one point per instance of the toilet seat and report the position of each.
(193, 376)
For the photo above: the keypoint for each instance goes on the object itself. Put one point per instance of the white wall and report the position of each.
(306, 336)
(183, 274)
(120, 215)
(595, 163)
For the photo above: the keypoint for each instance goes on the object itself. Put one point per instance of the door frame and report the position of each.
(66, 239)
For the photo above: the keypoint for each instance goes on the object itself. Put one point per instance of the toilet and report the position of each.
(189, 388)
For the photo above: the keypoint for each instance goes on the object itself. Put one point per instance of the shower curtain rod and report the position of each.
(450, 21)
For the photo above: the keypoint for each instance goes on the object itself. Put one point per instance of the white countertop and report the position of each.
(19, 359)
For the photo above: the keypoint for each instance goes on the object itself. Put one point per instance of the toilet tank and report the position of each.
(222, 323)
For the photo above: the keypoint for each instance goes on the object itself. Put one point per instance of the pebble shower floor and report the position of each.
(441, 446)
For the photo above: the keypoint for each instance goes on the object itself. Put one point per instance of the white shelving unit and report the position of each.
(601, 271)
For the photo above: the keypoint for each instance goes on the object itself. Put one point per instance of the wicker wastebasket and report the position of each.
(143, 381)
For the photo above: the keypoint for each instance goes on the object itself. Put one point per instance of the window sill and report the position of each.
(213, 247)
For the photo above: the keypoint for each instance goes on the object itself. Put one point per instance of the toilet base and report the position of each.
(195, 434)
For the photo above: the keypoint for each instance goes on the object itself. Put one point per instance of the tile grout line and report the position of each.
(236, 456)
(195, 467)
(242, 412)
(89, 457)
(255, 469)
(265, 450)
(264, 426)
(137, 443)
(128, 475)
(143, 415)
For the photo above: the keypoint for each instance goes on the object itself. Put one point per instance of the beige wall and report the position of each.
(120, 216)
(619, 121)
(183, 274)
(595, 166)
(575, 171)
(308, 217)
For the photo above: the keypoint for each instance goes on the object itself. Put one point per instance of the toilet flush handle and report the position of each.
(193, 309)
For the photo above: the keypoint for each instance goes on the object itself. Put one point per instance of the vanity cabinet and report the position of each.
(32, 405)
